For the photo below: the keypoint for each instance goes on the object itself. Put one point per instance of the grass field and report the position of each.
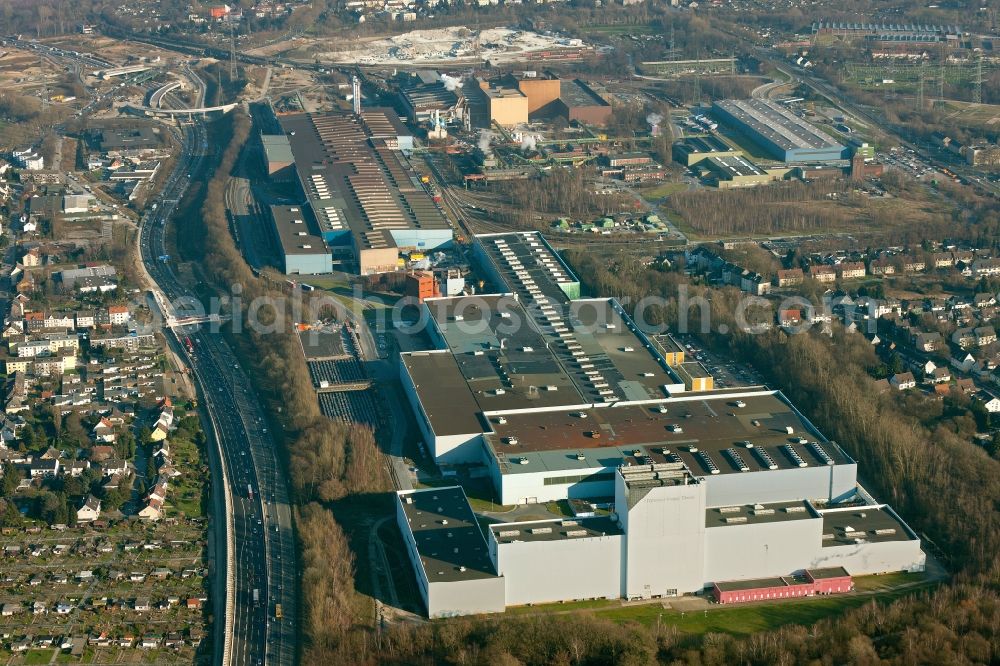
(748, 618)
(663, 190)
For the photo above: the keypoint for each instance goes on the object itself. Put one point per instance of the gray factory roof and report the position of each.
(129, 138)
(511, 358)
(735, 166)
(777, 124)
(756, 514)
(888, 27)
(430, 96)
(445, 396)
(297, 231)
(695, 369)
(576, 93)
(759, 583)
(354, 186)
(555, 530)
(448, 539)
(528, 266)
(828, 572)
(705, 144)
(863, 524)
(277, 148)
(705, 433)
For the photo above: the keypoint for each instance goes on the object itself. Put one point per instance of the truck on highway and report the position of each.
(256, 597)
(188, 345)
(277, 611)
(249, 491)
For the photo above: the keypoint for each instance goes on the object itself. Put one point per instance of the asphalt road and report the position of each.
(261, 522)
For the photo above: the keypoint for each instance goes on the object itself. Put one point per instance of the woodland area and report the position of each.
(559, 192)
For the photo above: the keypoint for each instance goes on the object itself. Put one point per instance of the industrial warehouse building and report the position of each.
(302, 250)
(514, 100)
(780, 132)
(553, 397)
(363, 199)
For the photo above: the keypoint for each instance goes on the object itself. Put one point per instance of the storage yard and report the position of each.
(498, 45)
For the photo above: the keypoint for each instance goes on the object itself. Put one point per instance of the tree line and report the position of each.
(326, 460)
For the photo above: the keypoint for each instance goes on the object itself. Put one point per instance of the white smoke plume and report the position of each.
(485, 138)
(654, 119)
(450, 82)
(529, 142)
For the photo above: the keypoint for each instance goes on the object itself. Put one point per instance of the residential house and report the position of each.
(43, 468)
(989, 401)
(823, 273)
(113, 466)
(943, 260)
(940, 376)
(985, 267)
(118, 315)
(902, 381)
(89, 511)
(75, 468)
(985, 335)
(964, 338)
(882, 267)
(104, 431)
(85, 319)
(152, 511)
(928, 341)
(965, 385)
(984, 300)
(790, 277)
(851, 270)
(911, 265)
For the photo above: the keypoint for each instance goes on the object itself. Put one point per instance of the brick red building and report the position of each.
(421, 285)
(834, 580)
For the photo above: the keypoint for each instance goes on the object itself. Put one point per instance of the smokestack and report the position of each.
(356, 90)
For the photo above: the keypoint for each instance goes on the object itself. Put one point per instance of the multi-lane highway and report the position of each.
(255, 551)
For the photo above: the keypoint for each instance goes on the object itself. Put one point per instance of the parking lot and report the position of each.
(726, 372)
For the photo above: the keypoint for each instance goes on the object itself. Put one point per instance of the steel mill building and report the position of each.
(551, 397)
(360, 196)
(783, 134)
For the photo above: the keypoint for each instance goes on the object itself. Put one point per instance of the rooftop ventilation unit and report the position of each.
(794, 455)
(540, 530)
(766, 459)
(709, 463)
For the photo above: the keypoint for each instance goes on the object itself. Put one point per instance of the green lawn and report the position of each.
(38, 656)
(740, 619)
(663, 190)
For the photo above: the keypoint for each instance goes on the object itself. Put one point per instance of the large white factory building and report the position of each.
(554, 397)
